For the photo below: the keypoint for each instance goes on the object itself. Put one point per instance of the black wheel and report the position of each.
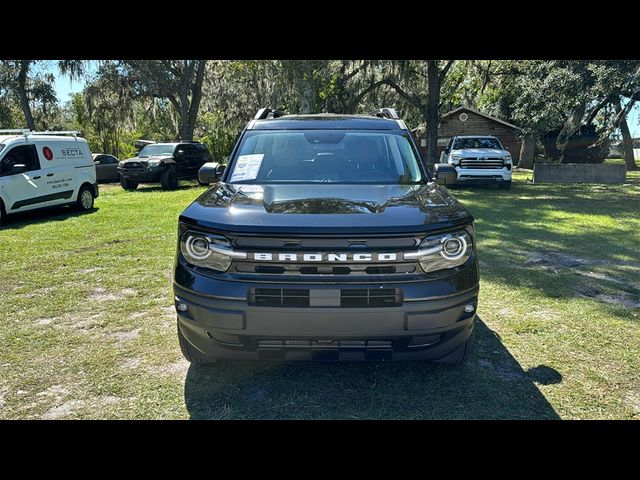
(460, 354)
(191, 354)
(506, 185)
(128, 184)
(169, 179)
(85, 199)
(2, 212)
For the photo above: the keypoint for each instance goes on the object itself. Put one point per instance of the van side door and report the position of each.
(23, 187)
(59, 160)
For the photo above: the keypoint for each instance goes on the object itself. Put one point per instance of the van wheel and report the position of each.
(169, 179)
(190, 354)
(2, 212)
(128, 184)
(85, 199)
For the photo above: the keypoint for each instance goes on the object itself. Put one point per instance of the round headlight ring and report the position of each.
(453, 248)
(197, 247)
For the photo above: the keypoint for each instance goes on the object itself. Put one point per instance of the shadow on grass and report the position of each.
(17, 221)
(541, 237)
(144, 188)
(491, 384)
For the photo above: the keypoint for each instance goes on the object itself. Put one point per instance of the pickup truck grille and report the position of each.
(133, 166)
(488, 163)
(317, 269)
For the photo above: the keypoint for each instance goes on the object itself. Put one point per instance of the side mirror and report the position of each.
(97, 162)
(180, 152)
(19, 168)
(210, 173)
(445, 174)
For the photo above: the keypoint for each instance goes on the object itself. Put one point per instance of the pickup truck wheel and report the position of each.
(506, 185)
(2, 212)
(128, 184)
(85, 199)
(169, 179)
(190, 354)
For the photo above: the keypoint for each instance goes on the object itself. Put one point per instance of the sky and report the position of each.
(65, 87)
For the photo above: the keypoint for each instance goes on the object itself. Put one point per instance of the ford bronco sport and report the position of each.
(325, 238)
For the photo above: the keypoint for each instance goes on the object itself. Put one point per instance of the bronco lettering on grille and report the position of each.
(323, 257)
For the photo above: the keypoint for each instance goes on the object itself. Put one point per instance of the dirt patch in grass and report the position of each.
(124, 336)
(131, 363)
(60, 411)
(101, 295)
(3, 393)
(45, 321)
(623, 299)
(176, 368)
(56, 391)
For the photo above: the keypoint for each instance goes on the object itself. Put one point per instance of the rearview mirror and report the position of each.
(210, 172)
(445, 174)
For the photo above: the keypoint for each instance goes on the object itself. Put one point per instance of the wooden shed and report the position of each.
(466, 121)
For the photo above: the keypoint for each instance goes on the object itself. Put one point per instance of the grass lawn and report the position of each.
(87, 326)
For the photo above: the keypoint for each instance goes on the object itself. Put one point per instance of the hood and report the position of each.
(326, 208)
(146, 159)
(480, 152)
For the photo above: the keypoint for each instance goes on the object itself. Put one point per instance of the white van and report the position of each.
(45, 169)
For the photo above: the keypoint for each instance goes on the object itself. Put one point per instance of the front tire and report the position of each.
(506, 185)
(128, 184)
(169, 179)
(190, 354)
(84, 203)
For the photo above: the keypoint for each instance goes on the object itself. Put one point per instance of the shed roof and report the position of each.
(481, 114)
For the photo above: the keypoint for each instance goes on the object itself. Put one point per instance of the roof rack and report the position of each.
(15, 130)
(264, 113)
(386, 113)
(54, 132)
(189, 141)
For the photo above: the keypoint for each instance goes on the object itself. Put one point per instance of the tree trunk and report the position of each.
(527, 152)
(627, 141)
(196, 96)
(22, 93)
(431, 111)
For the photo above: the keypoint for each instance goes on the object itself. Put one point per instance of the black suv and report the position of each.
(164, 163)
(326, 238)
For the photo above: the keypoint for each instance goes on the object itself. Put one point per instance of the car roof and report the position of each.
(475, 136)
(327, 121)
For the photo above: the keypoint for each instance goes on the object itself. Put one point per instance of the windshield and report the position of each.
(316, 156)
(157, 149)
(476, 142)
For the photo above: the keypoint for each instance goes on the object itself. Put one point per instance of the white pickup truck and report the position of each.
(479, 159)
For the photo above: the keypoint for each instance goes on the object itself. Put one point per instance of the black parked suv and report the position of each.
(163, 162)
(326, 238)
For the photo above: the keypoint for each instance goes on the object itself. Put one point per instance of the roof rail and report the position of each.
(16, 130)
(264, 113)
(386, 113)
(54, 132)
(189, 141)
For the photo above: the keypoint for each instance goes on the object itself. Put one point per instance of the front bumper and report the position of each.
(221, 323)
(150, 174)
(482, 176)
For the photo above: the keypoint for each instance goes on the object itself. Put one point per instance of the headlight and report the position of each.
(207, 250)
(507, 158)
(456, 158)
(153, 163)
(445, 250)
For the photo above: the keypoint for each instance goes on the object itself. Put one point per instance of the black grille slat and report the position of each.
(349, 297)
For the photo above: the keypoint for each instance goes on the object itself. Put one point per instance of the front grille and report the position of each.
(344, 298)
(488, 163)
(133, 166)
(306, 269)
(315, 270)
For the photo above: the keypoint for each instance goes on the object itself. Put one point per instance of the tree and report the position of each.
(179, 81)
(627, 141)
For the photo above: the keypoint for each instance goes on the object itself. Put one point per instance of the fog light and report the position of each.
(469, 308)
(180, 305)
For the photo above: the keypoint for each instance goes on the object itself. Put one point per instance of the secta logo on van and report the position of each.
(71, 152)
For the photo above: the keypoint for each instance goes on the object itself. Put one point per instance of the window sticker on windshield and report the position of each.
(247, 167)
